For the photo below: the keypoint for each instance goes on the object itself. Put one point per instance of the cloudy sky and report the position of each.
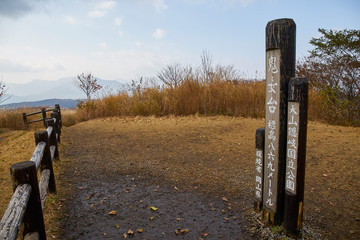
(126, 39)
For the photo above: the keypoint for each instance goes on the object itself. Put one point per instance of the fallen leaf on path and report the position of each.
(140, 230)
(153, 208)
(125, 235)
(184, 231)
(90, 196)
(176, 232)
(225, 199)
(151, 218)
(112, 213)
(131, 233)
(176, 188)
(117, 226)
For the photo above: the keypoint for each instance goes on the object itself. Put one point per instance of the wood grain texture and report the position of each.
(43, 187)
(38, 154)
(14, 214)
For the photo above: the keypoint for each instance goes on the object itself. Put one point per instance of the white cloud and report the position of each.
(103, 45)
(243, 3)
(118, 21)
(101, 9)
(97, 14)
(159, 33)
(159, 5)
(70, 19)
(106, 5)
(138, 44)
(120, 33)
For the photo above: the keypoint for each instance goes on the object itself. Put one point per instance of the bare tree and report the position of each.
(173, 75)
(227, 73)
(87, 83)
(3, 90)
(206, 71)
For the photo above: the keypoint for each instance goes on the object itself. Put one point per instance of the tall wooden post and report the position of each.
(280, 67)
(259, 168)
(46, 162)
(296, 154)
(43, 113)
(25, 172)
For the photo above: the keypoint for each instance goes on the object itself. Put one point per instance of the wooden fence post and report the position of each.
(24, 118)
(46, 162)
(280, 67)
(57, 125)
(296, 155)
(52, 138)
(43, 113)
(57, 107)
(25, 172)
(259, 168)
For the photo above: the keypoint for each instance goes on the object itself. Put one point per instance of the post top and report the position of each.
(22, 165)
(281, 33)
(281, 21)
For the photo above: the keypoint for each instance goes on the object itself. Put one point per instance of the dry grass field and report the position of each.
(210, 155)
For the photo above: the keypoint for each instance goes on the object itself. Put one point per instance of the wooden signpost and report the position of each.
(259, 168)
(281, 145)
(296, 154)
(280, 67)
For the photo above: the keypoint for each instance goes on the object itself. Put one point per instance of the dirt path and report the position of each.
(197, 173)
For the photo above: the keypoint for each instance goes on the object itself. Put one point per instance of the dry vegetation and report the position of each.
(245, 99)
(18, 146)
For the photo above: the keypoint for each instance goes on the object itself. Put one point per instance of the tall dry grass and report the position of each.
(217, 97)
(13, 119)
(190, 97)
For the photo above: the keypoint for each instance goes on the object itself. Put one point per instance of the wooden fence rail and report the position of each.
(24, 214)
(44, 116)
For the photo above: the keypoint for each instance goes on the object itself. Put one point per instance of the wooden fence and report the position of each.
(24, 214)
(44, 116)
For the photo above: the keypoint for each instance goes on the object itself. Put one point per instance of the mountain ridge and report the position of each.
(63, 88)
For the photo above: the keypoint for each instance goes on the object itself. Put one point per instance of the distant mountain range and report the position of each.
(35, 93)
(64, 103)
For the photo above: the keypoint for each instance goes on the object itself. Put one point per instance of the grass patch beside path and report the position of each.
(18, 146)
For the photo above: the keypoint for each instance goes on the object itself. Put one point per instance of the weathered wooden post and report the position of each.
(296, 154)
(57, 125)
(24, 118)
(259, 168)
(25, 172)
(43, 113)
(52, 137)
(46, 162)
(57, 107)
(280, 67)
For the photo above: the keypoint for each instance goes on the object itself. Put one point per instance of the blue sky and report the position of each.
(126, 39)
